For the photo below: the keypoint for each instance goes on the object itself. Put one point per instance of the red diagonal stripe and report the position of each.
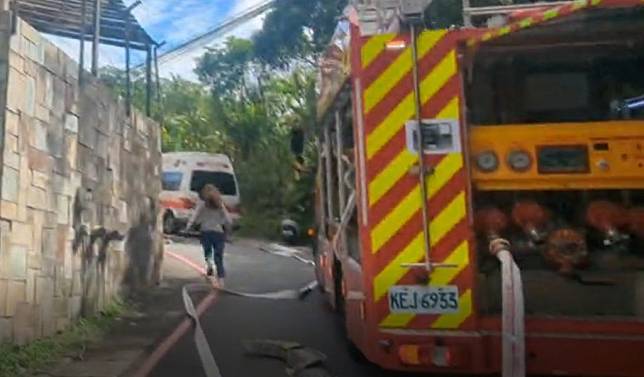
(399, 142)
(401, 189)
(381, 62)
(417, 276)
(413, 226)
(405, 86)
(463, 280)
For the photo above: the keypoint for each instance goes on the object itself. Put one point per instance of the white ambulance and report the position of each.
(184, 175)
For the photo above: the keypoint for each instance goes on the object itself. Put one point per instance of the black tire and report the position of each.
(337, 287)
(355, 354)
(169, 224)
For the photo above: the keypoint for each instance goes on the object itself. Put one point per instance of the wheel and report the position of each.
(355, 353)
(337, 287)
(169, 225)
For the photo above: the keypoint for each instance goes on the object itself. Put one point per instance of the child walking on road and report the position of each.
(214, 221)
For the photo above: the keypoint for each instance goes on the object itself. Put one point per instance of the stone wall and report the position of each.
(79, 187)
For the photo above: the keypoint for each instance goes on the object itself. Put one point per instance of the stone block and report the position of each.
(31, 34)
(48, 95)
(11, 143)
(4, 292)
(63, 209)
(17, 262)
(8, 210)
(38, 136)
(12, 120)
(26, 323)
(71, 122)
(37, 199)
(42, 113)
(37, 220)
(32, 276)
(75, 307)
(40, 161)
(71, 148)
(77, 283)
(17, 90)
(6, 326)
(16, 294)
(16, 62)
(11, 159)
(30, 96)
(40, 180)
(21, 234)
(34, 259)
(10, 180)
(49, 243)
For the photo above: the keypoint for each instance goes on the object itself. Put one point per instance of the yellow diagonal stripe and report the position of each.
(391, 174)
(451, 111)
(396, 119)
(442, 276)
(550, 14)
(373, 47)
(454, 321)
(411, 203)
(415, 252)
(379, 88)
(401, 164)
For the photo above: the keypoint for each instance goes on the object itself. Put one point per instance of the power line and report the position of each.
(202, 40)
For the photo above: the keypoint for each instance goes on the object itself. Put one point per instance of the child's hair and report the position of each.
(208, 194)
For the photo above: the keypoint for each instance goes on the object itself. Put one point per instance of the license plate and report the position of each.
(419, 299)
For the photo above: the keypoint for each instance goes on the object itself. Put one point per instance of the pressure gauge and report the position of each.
(487, 161)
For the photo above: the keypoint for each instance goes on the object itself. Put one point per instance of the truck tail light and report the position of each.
(431, 355)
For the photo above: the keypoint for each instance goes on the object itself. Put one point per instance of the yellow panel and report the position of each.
(619, 167)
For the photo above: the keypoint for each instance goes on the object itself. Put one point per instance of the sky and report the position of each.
(174, 21)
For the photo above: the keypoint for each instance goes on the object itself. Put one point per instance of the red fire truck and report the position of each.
(481, 192)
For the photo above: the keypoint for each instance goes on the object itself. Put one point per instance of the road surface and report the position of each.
(232, 320)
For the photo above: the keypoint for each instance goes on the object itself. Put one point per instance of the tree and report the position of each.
(226, 69)
(297, 30)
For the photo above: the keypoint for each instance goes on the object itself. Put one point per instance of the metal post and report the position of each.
(83, 29)
(156, 74)
(128, 58)
(340, 171)
(327, 172)
(420, 146)
(128, 71)
(148, 81)
(467, 16)
(97, 36)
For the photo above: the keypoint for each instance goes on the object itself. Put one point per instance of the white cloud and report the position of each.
(174, 22)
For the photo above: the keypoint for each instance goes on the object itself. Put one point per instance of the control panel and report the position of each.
(601, 155)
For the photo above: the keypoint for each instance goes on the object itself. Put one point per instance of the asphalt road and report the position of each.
(235, 319)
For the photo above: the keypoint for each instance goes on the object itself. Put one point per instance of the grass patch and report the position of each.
(16, 361)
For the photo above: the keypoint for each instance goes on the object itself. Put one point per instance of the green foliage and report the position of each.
(17, 361)
(297, 30)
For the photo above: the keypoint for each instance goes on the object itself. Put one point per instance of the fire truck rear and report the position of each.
(481, 192)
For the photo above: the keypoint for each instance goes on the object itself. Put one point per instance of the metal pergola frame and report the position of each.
(108, 22)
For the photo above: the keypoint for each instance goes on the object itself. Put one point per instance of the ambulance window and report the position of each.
(171, 181)
(225, 182)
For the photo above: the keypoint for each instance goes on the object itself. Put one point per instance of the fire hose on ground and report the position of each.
(513, 317)
(301, 361)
